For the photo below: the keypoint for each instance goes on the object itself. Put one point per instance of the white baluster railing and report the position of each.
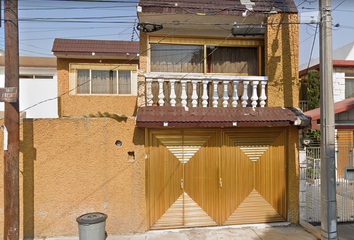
(173, 94)
(215, 94)
(205, 93)
(245, 93)
(235, 94)
(194, 95)
(161, 95)
(184, 93)
(254, 97)
(208, 83)
(149, 95)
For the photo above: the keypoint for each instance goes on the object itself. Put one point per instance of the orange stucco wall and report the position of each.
(75, 106)
(282, 60)
(69, 167)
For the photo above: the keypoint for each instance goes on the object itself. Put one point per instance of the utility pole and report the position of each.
(328, 177)
(11, 155)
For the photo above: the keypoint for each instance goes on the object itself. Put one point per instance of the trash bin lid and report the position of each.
(90, 218)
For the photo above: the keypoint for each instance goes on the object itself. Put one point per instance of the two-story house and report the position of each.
(198, 127)
(219, 111)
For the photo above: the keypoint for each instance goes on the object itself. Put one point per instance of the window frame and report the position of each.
(36, 76)
(73, 67)
(345, 81)
(257, 43)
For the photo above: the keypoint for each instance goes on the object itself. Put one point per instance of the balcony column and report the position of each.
(194, 95)
(205, 93)
(215, 95)
(161, 95)
(173, 94)
(149, 95)
(226, 95)
(184, 93)
(263, 96)
(245, 94)
(254, 97)
(235, 95)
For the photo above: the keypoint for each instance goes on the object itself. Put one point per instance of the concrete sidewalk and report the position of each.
(271, 231)
(284, 231)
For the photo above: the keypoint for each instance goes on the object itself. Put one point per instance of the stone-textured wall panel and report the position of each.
(282, 60)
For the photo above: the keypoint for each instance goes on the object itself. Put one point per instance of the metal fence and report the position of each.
(344, 184)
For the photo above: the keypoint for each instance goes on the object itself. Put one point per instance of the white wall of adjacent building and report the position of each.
(38, 97)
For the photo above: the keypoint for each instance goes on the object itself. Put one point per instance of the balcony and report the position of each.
(198, 90)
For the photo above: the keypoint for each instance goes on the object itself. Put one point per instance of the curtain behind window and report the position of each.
(124, 82)
(232, 60)
(177, 58)
(83, 81)
(103, 82)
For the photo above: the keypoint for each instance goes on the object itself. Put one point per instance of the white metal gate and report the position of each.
(344, 183)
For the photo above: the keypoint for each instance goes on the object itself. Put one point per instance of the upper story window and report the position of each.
(349, 84)
(36, 76)
(207, 56)
(103, 79)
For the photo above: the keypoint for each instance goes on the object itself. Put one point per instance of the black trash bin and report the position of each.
(92, 226)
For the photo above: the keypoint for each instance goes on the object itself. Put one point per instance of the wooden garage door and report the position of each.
(209, 177)
(254, 176)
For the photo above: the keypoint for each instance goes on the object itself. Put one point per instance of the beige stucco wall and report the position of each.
(69, 167)
(75, 106)
(282, 60)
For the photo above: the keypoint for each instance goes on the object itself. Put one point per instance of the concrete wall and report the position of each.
(69, 167)
(75, 106)
(293, 175)
(33, 91)
(282, 61)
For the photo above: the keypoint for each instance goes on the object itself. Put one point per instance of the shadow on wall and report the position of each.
(29, 156)
(288, 76)
(281, 53)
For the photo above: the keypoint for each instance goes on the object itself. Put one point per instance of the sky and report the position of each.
(40, 21)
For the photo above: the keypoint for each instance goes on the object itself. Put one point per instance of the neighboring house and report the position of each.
(343, 75)
(96, 76)
(219, 112)
(344, 125)
(38, 86)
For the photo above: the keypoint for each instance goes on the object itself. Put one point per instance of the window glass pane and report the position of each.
(103, 82)
(83, 81)
(232, 60)
(124, 82)
(177, 58)
(349, 88)
(43, 76)
(349, 74)
(26, 76)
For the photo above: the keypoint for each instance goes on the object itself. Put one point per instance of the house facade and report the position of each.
(95, 75)
(195, 125)
(218, 105)
(343, 92)
(343, 68)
